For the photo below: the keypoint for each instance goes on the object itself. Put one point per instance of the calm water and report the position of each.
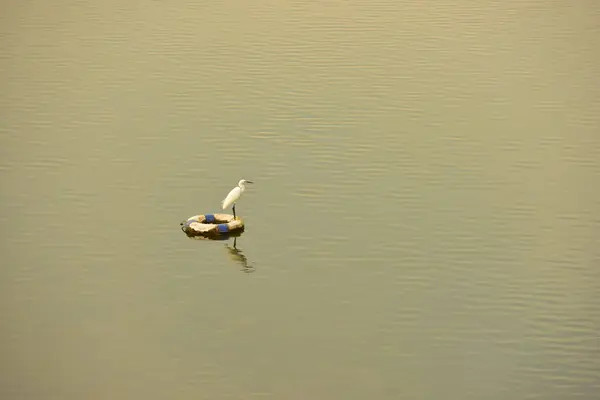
(424, 224)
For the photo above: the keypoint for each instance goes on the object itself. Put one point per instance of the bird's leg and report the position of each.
(234, 211)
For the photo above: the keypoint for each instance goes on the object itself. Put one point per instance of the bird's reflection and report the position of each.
(238, 256)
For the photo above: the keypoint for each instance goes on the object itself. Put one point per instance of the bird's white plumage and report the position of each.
(232, 197)
(234, 194)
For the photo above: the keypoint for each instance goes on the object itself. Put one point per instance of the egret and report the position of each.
(235, 195)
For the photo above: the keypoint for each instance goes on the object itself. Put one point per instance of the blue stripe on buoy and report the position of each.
(223, 228)
(209, 218)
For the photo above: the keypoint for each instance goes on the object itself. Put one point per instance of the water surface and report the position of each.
(424, 224)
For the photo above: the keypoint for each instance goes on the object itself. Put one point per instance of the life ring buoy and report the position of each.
(212, 225)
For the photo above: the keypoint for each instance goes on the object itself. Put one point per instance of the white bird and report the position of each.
(235, 195)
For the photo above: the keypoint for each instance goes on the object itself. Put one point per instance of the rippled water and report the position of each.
(424, 224)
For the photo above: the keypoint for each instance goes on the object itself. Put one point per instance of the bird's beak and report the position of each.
(249, 182)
